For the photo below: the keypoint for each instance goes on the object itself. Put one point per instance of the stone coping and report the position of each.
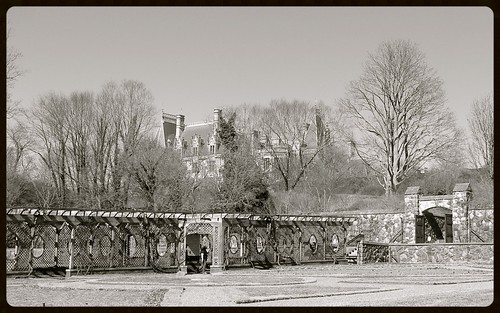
(450, 244)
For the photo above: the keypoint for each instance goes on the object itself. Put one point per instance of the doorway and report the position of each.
(434, 225)
(194, 244)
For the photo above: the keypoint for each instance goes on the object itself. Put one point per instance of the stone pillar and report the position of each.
(218, 247)
(359, 258)
(462, 194)
(412, 195)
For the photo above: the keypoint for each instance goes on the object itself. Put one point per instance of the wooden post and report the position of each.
(146, 246)
(182, 250)
(300, 246)
(111, 254)
(360, 252)
(56, 246)
(71, 252)
(30, 260)
(324, 243)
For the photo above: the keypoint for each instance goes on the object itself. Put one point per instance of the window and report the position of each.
(212, 149)
(131, 246)
(211, 166)
(195, 150)
(162, 245)
(38, 247)
(313, 244)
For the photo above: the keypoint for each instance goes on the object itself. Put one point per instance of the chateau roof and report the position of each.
(202, 129)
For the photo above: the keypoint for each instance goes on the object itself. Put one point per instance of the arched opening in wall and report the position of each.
(199, 247)
(194, 250)
(434, 225)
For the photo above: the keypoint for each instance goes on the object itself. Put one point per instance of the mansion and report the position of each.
(199, 145)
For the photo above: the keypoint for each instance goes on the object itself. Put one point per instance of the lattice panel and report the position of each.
(233, 246)
(135, 253)
(22, 257)
(335, 241)
(119, 246)
(12, 247)
(81, 243)
(63, 242)
(286, 242)
(163, 246)
(258, 245)
(199, 228)
(312, 243)
(101, 246)
(375, 253)
(44, 249)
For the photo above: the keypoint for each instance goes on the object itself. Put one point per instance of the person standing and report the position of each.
(204, 258)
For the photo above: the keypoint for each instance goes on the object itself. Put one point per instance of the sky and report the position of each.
(195, 59)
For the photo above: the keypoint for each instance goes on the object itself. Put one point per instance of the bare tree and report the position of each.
(103, 140)
(19, 162)
(293, 134)
(77, 124)
(481, 126)
(13, 72)
(325, 175)
(134, 113)
(160, 175)
(87, 142)
(47, 119)
(398, 108)
(17, 139)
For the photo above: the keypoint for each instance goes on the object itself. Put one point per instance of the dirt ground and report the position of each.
(302, 285)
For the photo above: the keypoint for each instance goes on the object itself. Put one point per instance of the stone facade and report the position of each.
(382, 227)
(481, 225)
(198, 143)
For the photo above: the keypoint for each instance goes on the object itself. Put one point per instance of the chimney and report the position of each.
(217, 114)
(179, 125)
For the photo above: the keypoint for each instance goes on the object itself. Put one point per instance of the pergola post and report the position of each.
(218, 246)
(182, 250)
(71, 253)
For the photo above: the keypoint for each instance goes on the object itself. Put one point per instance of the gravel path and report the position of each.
(305, 285)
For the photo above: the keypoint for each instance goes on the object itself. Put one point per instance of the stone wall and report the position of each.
(400, 227)
(481, 223)
(442, 253)
(379, 227)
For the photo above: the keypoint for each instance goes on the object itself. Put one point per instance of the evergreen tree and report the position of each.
(243, 188)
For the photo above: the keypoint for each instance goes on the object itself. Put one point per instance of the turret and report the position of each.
(179, 125)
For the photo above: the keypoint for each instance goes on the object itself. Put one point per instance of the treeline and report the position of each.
(84, 149)
(392, 130)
